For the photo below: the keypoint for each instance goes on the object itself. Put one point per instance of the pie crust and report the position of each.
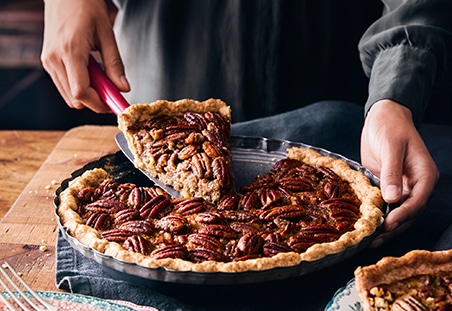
(407, 278)
(370, 216)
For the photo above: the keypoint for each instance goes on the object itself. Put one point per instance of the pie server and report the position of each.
(110, 94)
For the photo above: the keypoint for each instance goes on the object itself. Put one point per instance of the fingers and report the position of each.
(72, 30)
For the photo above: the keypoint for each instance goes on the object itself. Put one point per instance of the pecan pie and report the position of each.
(184, 143)
(306, 207)
(419, 280)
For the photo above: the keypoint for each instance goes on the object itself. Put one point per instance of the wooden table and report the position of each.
(32, 164)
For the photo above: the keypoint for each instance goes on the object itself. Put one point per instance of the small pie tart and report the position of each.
(185, 144)
(306, 207)
(418, 280)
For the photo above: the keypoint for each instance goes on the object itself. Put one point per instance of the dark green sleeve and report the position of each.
(406, 51)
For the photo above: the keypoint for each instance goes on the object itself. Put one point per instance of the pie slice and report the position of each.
(185, 144)
(418, 280)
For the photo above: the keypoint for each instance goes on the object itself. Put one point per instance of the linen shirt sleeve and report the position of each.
(406, 51)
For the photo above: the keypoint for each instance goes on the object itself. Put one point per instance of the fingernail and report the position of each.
(125, 82)
(392, 193)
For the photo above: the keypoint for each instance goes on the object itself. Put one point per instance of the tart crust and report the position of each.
(370, 210)
(394, 269)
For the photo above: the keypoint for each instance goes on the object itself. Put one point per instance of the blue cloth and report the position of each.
(336, 128)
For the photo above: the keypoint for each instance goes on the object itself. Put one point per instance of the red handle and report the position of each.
(107, 91)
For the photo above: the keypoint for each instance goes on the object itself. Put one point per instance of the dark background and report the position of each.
(29, 99)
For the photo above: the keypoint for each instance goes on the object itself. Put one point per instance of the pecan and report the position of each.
(250, 200)
(250, 243)
(214, 137)
(239, 216)
(327, 172)
(285, 212)
(138, 226)
(137, 244)
(198, 255)
(187, 152)
(201, 165)
(222, 171)
(116, 235)
(170, 251)
(209, 218)
(172, 223)
(272, 248)
(86, 194)
(126, 215)
(154, 206)
(228, 202)
(180, 128)
(211, 150)
(269, 197)
(106, 206)
(98, 220)
(219, 231)
(204, 241)
(296, 184)
(189, 206)
(196, 119)
(138, 196)
(194, 138)
(340, 203)
(332, 189)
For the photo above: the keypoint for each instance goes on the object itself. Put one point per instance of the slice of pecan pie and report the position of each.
(306, 207)
(418, 280)
(184, 143)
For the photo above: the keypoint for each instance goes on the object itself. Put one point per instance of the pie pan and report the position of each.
(251, 156)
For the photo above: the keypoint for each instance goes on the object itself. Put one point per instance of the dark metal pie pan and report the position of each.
(251, 156)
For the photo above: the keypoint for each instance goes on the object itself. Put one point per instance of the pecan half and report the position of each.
(204, 241)
(117, 235)
(172, 223)
(250, 243)
(106, 206)
(285, 212)
(222, 171)
(154, 206)
(138, 196)
(219, 231)
(228, 202)
(126, 215)
(198, 255)
(170, 251)
(137, 244)
(189, 206)
(138, 226)
(209, 218)
(98, 220)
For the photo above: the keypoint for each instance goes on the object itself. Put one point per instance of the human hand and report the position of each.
(392, 149)
(74, 28)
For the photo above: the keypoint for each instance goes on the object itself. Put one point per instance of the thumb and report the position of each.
(391, 183)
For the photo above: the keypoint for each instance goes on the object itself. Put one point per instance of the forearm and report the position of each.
(406, 51)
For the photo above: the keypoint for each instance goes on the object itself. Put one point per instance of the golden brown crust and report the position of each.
(140, 112)
(393, 269)
(366, 225)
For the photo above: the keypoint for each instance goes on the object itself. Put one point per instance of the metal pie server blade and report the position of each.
(122, 143)
(110, 94)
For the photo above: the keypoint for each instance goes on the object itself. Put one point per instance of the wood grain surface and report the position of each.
(28, 229)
